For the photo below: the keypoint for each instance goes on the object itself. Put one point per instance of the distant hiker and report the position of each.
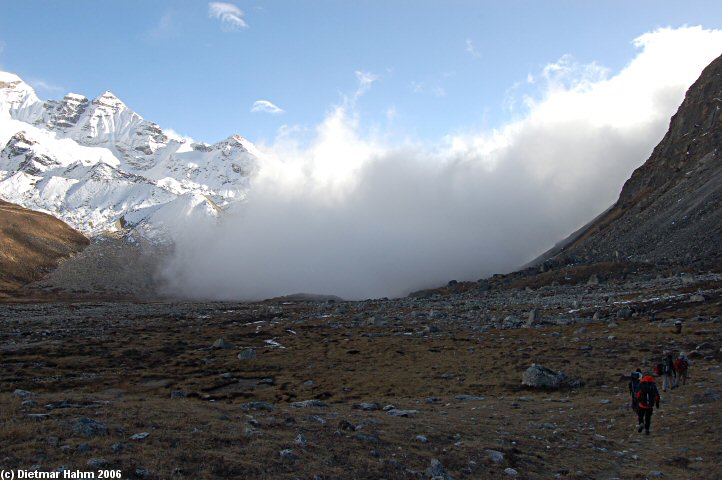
(647, 398)
(635, 377)
(681, 367)
(668, 375)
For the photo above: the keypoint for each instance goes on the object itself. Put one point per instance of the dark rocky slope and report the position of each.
(670, 208)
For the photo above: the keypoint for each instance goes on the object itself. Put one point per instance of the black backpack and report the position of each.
(648, 393)
(634, 382)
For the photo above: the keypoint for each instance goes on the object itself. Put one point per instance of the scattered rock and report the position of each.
(437, 471)
(268, 407)
(421, 438)
(221, 343)
(510, 472)
(534, 318)
(468, 398)
(697, 298)
(89, 428)
(655, 474)
(247, 354)
(593, 279)
(624, 313)
(395, 412)
(538, 376)
(301, 440)
(140, 436)
(288, 455)
(346, 425)
(178, 394)
(97, 463)
(365, 437)
(309, 403)
(368, 407)
(142, 472)
(495, 456)
(22, 393)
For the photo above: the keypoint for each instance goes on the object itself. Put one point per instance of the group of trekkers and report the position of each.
(643, 389)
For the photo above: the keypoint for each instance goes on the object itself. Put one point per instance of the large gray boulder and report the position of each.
(539, 376)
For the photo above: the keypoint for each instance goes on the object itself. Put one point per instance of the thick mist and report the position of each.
(354, 214)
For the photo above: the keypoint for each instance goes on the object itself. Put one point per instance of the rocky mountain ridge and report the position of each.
(100, 166)
(670, 210)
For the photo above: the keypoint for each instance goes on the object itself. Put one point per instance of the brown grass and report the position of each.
(135, 364)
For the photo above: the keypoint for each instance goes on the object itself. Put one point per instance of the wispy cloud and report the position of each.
(166, 27)
(231, 16)
(46, 87)
(265, 106)
(427, 88)
(365, 80)
(471, 50)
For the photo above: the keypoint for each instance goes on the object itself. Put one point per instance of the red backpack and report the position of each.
(680, 365)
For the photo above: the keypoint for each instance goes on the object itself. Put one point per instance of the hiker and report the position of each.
(635, 377)
(681, 366)
(647, 398)
(668, 374)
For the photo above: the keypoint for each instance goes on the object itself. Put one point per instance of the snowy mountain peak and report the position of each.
(17, 98)
(94, 162)
(108, 99)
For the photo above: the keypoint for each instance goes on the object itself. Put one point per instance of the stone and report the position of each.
(309, 403)
(367, 407)
(247, 354)
(83, 448)
(534, 318)
(118, 447)
(437, 471)
(22, 393)
(97, 463)
(365, 437)
(395, 412)
(301, 440)
(89, 428)
(178, 394)
(582, 330)
(624, 313)
(268, 407)
(593, 279)
(605, 402)
(140, 436)
(142, 472)
(510, 472)
(468, 398)
(655, 474)
(222, 343)
(538, 376)
(697, 298)
(288, 455)
(495, 456)
(421, 438)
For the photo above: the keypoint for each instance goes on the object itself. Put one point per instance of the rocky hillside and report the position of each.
(32, 244)
(671, 207)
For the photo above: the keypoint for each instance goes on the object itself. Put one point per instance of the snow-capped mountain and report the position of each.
(100, 166)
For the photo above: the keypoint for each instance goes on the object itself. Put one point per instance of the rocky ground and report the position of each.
(423, 387)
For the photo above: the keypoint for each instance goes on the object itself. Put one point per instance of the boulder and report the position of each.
(222, 343)
(539, 376)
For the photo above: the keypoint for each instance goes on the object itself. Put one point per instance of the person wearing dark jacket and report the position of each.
(647, 398)
(634, 379)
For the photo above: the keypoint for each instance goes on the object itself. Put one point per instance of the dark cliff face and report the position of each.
(670, 209)
(694, 132)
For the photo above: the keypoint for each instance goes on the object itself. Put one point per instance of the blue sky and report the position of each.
(439, 67)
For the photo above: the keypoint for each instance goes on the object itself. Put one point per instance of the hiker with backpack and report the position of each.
(681, 366)
(647, 399)
(668, 372)
(635, 377)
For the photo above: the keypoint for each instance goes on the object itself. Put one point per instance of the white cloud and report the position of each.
(365, 80)
(266, 106)
(231, 16)
(471, 50)
(46, 86)
(359, 215)
(168, 26)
